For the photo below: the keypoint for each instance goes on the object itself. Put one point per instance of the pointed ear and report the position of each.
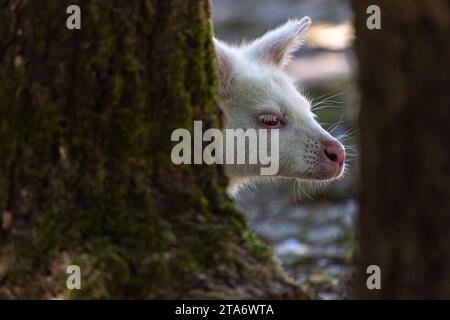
(224, 56)
(276, 46)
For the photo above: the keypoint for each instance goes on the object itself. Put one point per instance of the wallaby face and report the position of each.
(256, 93)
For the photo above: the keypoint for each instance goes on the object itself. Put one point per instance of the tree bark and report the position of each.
(404, 220)
(86, 177)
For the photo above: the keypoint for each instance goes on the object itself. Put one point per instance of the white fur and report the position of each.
(253, 83)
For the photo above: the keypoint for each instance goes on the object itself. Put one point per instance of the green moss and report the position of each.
(256, 247)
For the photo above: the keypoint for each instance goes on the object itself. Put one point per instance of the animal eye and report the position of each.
(270, 121)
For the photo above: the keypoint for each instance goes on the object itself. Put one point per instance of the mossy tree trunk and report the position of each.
(405, 197)
(86, 177)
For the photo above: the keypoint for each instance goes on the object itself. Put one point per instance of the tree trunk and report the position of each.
(86, 177)
(404, 220)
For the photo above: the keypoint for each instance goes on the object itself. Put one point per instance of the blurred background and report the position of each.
(312, 230)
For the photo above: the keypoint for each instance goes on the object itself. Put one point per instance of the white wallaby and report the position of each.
(256, 93)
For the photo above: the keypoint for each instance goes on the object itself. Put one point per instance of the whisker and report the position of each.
(329, 97)
(326, 101)
(325, 107)
(295, 192)
(324, 96)
(301, 188)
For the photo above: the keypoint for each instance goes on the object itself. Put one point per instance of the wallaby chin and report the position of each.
(262, 105)
(239, 185)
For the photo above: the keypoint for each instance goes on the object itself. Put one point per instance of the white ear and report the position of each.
(224, 56)
(276, 46)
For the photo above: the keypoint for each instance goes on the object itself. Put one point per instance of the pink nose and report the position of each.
(334, 152)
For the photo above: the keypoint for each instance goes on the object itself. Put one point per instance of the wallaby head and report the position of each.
(256, 93)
